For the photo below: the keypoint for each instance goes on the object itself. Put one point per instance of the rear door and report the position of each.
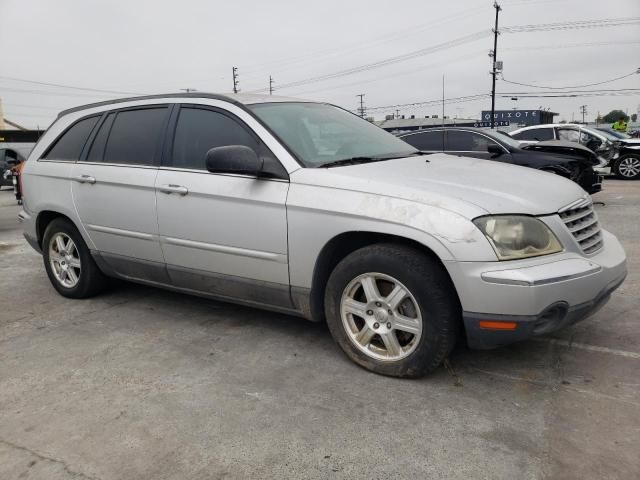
(222, 234)
(114, 190)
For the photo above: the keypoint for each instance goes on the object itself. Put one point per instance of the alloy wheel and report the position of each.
(629, 167)
(64, 259)
(381, 317)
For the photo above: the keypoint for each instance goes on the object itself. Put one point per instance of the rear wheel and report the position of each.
(627, 167)
(393, 310)
(68, 262)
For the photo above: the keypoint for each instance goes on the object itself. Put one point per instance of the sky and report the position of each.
(133, 47)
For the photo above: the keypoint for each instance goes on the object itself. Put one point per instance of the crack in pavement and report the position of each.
(41, 456)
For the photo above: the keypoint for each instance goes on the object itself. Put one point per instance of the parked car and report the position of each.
(558, 157)
(627, 163)
(603, 145)
(253, 199)
(8, 159)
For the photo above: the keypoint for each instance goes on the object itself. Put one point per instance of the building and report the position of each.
(402, 124)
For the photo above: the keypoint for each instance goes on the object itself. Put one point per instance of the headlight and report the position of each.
(516, 236)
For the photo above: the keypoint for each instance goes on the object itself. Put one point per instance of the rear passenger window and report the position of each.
(538, 134)
(70, 144)
(134, 137)
(199, 130)
(429, 141)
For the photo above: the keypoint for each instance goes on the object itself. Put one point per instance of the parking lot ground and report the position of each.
(144, 383)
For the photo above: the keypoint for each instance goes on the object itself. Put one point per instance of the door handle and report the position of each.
(171, 188)
(85, 179)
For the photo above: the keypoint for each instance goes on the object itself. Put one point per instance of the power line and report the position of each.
(580, 24)
(59, 85)
(423, 103)
(574, 86)
(383, 39)
(388, 61)
(55, 94)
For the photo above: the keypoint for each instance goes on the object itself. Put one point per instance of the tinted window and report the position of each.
(461, 141)
(429, 141)
(198, 130)
(537, 134)
(134, 136)
(100, 141)
(69, 145)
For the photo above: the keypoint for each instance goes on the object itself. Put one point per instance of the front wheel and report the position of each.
(392, 310)
(627, 167)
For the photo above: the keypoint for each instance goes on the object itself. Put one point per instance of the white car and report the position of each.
(598, 142)
(307, 209)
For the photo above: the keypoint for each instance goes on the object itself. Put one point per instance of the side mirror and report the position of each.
(233, 159)
(495, 150)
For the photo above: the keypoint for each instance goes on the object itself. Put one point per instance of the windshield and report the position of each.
(612, 134)
(320, 134)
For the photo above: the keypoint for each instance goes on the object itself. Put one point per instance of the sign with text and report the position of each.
(519, 117)
(497, 123)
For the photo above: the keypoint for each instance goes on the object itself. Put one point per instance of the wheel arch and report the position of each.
(43, 220)
(341, 245)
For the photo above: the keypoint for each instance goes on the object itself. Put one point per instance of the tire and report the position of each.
(87, 279)
(425, 323)
(627, 167)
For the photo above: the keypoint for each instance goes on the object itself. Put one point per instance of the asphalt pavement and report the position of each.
(140, 383)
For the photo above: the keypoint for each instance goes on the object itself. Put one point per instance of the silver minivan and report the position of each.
(307, 209)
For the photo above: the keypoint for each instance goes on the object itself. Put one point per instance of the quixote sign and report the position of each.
(514, 117)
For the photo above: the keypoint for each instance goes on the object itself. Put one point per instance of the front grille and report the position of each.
(583, 224)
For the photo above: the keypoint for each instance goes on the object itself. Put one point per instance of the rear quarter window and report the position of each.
(70, 144)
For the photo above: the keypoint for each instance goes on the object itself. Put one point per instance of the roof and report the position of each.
(235, 98)
(549, 125)
(417, 122)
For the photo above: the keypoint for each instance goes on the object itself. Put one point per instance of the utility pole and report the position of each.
(443, 100)
(270, 85)
(494, 72)
(361, 109)
(235, 80)
(583, 111)
(397, 113)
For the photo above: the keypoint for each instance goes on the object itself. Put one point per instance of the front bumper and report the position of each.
(535, 296)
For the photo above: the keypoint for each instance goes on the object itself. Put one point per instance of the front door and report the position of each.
(222, 234)
(114, 191)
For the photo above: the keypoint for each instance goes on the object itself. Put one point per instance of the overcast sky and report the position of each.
(152, 46)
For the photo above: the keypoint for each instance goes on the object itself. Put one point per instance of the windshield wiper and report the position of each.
(364, 159)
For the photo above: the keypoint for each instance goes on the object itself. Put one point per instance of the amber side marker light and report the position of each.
(495, 325)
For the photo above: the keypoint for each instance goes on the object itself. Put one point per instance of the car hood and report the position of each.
(467, 186)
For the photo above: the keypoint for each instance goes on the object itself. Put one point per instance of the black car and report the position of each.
(556, 157)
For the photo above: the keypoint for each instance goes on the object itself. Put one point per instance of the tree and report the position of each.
(634, 117)
(614, 116)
